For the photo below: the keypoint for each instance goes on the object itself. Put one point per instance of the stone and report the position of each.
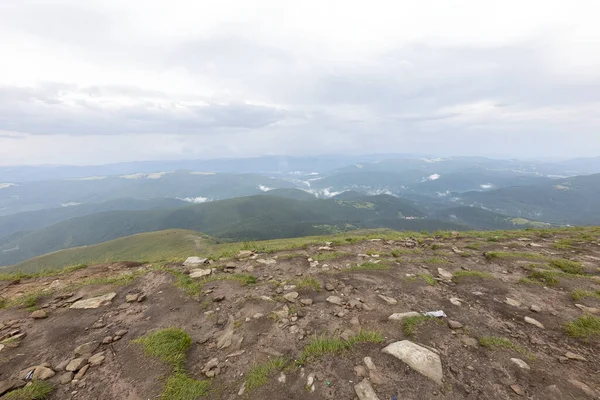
(141, 298)
(200, 272)
(194, 261)
(211, 368)
(226, 337)
(218, 299)
(419, 358)
(456, 250)
(306, 302)
(2, 346)
(584, 388)
(388, 300)
(121, 332)
(369, 363)
(268, 261)
(354, 321)
(377, 378)
(281, 378)
(364, 391)
(454, 324)
(518, 390)
(41, 373)
(456, 301)
(66, 378)
(97, 359)
(329, 287)
(291, 296)
(535, 308)
(98, 325)
(335, 300)
(39, 314)
(245, 254)
(512, 302)
(107, 340)
(360, 371)
(355, 304)
(287, 288)
(534, 322)
(76, 364)
(81, 372)
(94, 302)
(131, 298)
(591, 310)
(11, 384)
(401, 316)
(444, 274)
(520, 363)
(573, 356)
(347, 334)
(242, 389)
(86, 348)
(258, 315)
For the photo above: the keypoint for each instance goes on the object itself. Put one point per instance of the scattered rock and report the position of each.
(258, 316)
(211, 368)
(534, 245)
(291, 296)
(456, 301)
(200, 272)
(454, 324)
(364, 391)
(97, 359)
(66, 378)
(245, 254)
(573, 356)
(121, 332)
(335, 300)
(535, 308)
(141, 298)
(444, 274)
(534, 322)
(401, 316)
(218, 299)
(520, 363)
(360, 371)
(518, 390)
(131, 298)
(369, 363)
(94, 302)
(512, 302)
(195, 261)
(388, 300)
(268, 261)
(81, 372)
(227, 336)
(62, 365)
(354, 321)
(76, 364)
(456, 250)
(347, 334)
(107, 340)
(377, 378)
(86, 348)
(242, 389)
(306, 302)
(11, 384)
(39, 314)
(329, 287)
(584, 388)
(591, 310)
(40, 372)
(422, 360)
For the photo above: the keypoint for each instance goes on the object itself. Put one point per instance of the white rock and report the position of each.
(200, 272)
(535, 322)
(364, 391)
(447, 275)
(512, 302)
(268, 261)
(369, 363)
(389, 300)
(335, 300)
(401, 316)
(520, 363)
(94, 302)
(422, 360)
(291, 296)
(456, 301)
(194, 261)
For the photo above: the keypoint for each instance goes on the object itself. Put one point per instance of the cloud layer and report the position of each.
(112, 81)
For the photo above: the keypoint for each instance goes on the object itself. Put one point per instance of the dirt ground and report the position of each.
(470, 370)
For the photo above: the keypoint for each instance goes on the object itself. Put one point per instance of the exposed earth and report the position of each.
(520, 321)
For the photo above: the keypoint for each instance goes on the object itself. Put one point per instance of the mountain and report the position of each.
(478, 218)
(564, 201)
(244, 218)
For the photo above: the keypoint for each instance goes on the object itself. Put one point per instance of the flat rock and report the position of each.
(200, 272)
(306, 302)
(388, 300)
(520, 363)
(422, 360)
(535, 308)
(591, 393)
(335, 300)
(39, 372)
(360, 371)
(454, 324)
(81, 372)
(121, 332)
(329, 287)
(107, 340)
(534, 322)
(76, 364)
(518, 390)
(573, 356)
(131, 298)
(444, 274)
(97, 359)
(227, 335)
(401, 316)
(65, 378)
(267, 261)
(369, 363)
(291, 296)
(591, 310)
(245, 254)
(11, 384)
(94, 302)
(512, 302)
(194, 261)
(39, 314)
(364, 391)
(86, 348)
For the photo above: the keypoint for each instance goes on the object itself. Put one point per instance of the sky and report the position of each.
(91, 82)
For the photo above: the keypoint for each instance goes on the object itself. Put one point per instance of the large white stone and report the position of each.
(422, 360)
(401, 316)
(94, 302)
(364, 391)
(194, 261)
(200, 272)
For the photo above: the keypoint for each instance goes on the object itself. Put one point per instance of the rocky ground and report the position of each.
(520, 320)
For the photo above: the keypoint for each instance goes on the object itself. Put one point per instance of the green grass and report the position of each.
(309, 283)
(330, 255)
(435, 260)
(568, 266)
(259, 374)
(494, 342)
(564, 244)
(580, 294)
(474, 274)
(169, 345)
(474, 246)
(402, 252)
(370, 266)
(490, 255)
(243, 279)
(547, 278)
(411, 324)
(289, 256)
(43, 273)
(179, 386)
(583, 327)
(38, 390)
(11, 342)
(321, 346)
(428, 278)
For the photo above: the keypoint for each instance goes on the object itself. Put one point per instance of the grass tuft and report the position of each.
(170, 345)
(580, 294)
(428, 278)
(321, 346)
(568, 266)
(475, 274)
(370, 266)
(435, 260)
(547, 278)
(490, 255)
(494, 342)
(411, 324)
(330, 255)
(401, 252)
(474, 246)
(583, 327)
(38, 390)
(179, 386)
(259, 374)
(309, 283)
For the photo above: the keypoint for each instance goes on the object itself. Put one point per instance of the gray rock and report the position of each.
(195, 261)
(347, 334)
(131, 298)
(377, 378)
(444, 274)
(512, 302)
(245, 254)
(227, 335)
(369, 363)
(454, 324)
(66, 378)
(329, 287)
(39, 314)
(355, 321)
(107, 340)
(62, 365)
(86, 348)
(335, 300)
(534, 322)
(535, 308)
(97, 359)
(388, 300)
(520, 363)
(141, 298)
(81, 372)
(518, 390)
(364, 391)
(360, 371)
(422, 360)
(11, 384)
(94, 302)
(200, 272)
(291, 296)
(591, 393)
(573, 356)
(121, 332)
(39, 372)
(306, 302)
(591, 310)
(401, 316)
(76, 364)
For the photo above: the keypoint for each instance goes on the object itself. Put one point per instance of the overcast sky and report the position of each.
(86, 82)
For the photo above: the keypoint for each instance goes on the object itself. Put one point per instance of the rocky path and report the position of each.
(441, 318)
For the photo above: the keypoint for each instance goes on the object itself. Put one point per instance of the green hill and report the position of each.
(478, 218)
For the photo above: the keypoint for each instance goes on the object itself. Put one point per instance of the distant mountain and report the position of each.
(478, 218)
(572, 200)
(296, 194)
(243, 218)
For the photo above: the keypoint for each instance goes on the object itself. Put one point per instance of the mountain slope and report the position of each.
(478, 218)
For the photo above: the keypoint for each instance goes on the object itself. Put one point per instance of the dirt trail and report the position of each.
(486, 347)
